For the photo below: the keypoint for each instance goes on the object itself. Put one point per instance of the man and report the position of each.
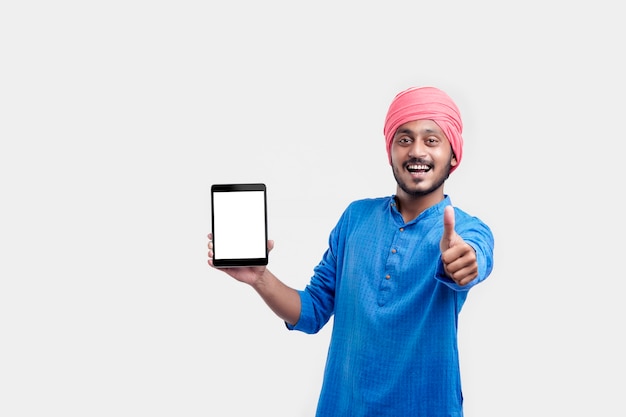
(395, 276)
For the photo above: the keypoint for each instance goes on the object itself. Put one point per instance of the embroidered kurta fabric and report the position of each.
(393, 350)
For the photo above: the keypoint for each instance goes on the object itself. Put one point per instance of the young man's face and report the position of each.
(421, 157)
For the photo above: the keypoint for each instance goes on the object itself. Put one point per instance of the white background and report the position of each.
(117, 116)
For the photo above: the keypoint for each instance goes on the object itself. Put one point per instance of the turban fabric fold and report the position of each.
(426, 103)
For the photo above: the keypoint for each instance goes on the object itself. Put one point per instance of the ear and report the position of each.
(453, 161)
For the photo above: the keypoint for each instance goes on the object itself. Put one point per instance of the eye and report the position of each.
(404, 140)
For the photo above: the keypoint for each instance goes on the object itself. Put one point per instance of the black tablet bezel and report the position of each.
(238, 262)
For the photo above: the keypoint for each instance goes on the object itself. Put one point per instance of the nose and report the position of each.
(417, 149)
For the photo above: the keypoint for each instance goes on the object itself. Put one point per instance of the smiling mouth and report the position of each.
(417, 168)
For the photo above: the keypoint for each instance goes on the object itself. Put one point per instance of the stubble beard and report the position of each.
(417, 192)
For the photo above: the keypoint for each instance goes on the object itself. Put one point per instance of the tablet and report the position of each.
(239, 224)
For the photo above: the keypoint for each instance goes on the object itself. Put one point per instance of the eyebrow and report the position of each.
(424, 131)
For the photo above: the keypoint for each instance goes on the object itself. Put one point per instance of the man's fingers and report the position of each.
(460, 263)
(448, 228)
(448, 222)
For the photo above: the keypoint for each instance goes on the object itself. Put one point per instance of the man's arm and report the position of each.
(281, 299)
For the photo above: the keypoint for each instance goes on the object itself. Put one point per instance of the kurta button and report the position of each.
(393, 251)
(402, 229)
(387, 276)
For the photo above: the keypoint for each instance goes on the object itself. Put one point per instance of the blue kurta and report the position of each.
(393, 350)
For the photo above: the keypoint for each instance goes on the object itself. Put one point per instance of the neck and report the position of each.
(411, 206)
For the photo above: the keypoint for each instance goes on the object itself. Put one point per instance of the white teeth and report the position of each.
(420, 167)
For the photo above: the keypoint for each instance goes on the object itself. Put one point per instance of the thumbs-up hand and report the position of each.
(458, 257)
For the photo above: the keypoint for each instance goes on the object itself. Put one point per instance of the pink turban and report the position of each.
(419, 103)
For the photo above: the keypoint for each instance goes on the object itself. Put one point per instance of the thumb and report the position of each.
(448, 228)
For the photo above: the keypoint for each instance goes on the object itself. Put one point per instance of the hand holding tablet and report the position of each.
(239, 225)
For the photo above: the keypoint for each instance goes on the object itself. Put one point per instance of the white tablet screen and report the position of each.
(239, 222)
